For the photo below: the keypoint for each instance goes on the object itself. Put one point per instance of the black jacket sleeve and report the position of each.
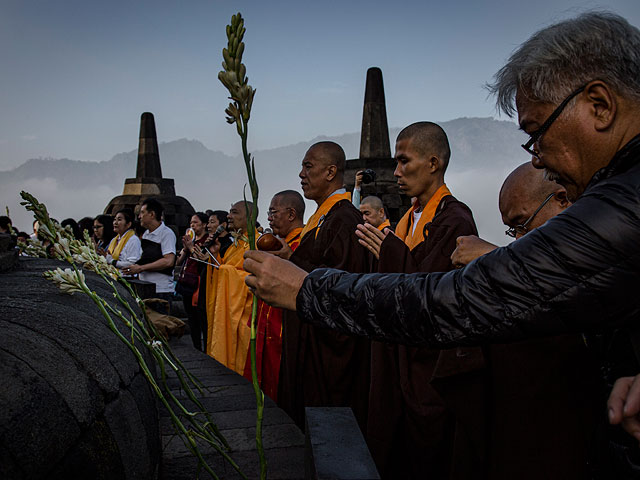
(578, 272)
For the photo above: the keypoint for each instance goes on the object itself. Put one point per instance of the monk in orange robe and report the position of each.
(229, 300)
(319, 367)
(373, 212)
(285, 216)
(411, 432)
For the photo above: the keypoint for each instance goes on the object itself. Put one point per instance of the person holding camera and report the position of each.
(362, 176)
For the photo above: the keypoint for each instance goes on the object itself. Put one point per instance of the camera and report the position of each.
(368, 176)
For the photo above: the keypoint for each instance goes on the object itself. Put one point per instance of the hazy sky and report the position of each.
(76, 75)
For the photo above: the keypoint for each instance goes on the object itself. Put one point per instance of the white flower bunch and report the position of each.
(67, 280)
(32, 248)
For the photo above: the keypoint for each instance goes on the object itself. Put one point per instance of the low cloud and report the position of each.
(61, 203)
(479, 190)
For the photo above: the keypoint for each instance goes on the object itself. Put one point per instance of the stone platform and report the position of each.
(231, 401)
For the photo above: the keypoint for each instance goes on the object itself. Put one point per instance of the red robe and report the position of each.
(269, 338)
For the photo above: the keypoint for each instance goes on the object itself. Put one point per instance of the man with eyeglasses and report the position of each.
(527, 200)
(285, 216)
(286, 220)
(578, 272)
(534, 376)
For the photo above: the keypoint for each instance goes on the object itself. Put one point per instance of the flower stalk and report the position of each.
(234, 77)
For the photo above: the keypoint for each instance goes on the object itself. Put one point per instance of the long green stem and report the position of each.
(178, 369)
(233, 77)
(186, 435)
(254, 308)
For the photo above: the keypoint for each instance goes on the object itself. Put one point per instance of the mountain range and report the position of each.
(484, 150)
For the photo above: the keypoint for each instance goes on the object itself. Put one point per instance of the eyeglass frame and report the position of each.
(535, 136)
(524, 227)
(271, 213)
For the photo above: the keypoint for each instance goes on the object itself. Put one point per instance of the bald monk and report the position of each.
(285, 216)
(229, 301)
(320, 367)
(373, 212)
(526, 201)
(541, 392)
(410, 430)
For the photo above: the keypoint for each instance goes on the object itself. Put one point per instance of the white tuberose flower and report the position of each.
(62, 247)
(67, 280)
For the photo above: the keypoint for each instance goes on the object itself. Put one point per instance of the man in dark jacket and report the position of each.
(576, 86)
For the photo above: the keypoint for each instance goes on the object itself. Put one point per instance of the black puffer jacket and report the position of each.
(578, 272)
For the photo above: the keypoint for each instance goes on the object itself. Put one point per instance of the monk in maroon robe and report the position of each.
(410, 431)
(321, 367)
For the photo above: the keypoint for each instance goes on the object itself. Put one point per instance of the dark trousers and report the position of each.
(197, 326)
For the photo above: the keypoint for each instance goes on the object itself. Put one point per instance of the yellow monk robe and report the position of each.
(384, 225)
(229, 309)
(269, 338)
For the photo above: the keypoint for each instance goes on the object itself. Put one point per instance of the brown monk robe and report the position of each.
(541, 395)
(320, 367)
(409, 429)
(410, 432)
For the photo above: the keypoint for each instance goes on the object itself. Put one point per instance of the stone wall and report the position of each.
(73, 401)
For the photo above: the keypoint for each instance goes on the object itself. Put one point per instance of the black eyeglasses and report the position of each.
(535, 136)
(523, 229)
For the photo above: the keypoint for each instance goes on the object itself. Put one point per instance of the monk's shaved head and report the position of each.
(330, 153)
(428, 138)
(291, 199)
(524, 192)
(373, 201)
(241, 205)
(527, 182)
(372, 210)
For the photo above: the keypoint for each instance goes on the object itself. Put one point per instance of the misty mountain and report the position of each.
(483, 151)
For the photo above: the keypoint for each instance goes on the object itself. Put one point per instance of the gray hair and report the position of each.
(562, 57)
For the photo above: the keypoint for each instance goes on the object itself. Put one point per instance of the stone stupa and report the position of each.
(375, 151)
(149, 182)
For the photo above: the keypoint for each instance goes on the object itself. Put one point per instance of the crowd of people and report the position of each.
(460, 359)
(494, 362)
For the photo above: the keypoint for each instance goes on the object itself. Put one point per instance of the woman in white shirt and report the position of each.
(125, 248)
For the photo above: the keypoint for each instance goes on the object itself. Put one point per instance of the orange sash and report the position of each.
(384, 225)
(322, 210)
(413, 237)
(292, 235)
